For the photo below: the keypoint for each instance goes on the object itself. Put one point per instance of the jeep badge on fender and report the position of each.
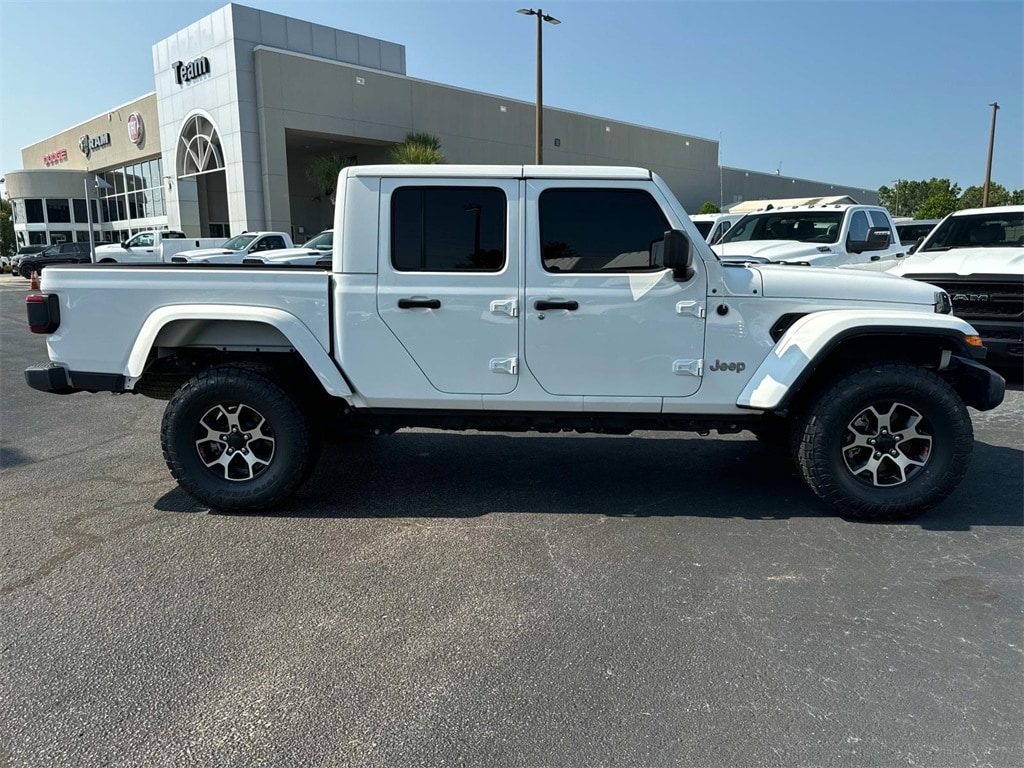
(734, 367)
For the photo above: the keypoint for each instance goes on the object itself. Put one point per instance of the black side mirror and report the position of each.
(124, 243)
(916, 245)
(678, 255)
(877, 240)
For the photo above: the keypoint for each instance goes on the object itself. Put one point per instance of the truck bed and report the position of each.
(103, 307)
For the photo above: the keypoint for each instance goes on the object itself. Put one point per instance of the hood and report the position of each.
(781, 281)
(203, 252)
(774, 250)
(964, 261)
(287, 253)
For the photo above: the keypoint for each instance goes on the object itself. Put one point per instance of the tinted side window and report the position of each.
(448, 229)
(878, 219)
(599, 230)
(272, 243)
(858, 226)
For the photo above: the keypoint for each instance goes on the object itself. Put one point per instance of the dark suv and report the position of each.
(59, 253)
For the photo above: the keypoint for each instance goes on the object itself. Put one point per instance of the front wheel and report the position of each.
(886, 442)
(236, 440)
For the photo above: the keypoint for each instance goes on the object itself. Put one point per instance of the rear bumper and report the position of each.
(980, 387)
(58, 380)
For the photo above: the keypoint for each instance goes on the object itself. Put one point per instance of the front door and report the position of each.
(603, 318)
(448, 279)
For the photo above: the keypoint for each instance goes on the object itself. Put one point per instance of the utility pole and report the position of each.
(988, 166)
(541, 18)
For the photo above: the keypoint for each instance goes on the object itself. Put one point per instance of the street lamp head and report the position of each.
(551, 19)
(527, 11)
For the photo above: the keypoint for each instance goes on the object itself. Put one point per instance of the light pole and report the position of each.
(988, 166)
(541, 18)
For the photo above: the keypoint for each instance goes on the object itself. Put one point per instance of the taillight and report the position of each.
(43, 312)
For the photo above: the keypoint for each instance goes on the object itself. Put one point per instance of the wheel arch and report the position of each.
(253, 331)
(817, 346)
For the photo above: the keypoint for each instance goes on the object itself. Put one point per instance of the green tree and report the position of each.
(323, 171)
(907, 197)
(1017, 197)
(7, 246)
(938, 206)
(973, 196)
(709, 207)
(418, 148)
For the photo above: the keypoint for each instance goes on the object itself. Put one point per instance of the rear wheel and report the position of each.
(236, 440)
(886, 442)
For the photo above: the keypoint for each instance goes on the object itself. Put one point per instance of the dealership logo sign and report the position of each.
(88, 143)
(136, 129)
(52, 158)
(184, 73)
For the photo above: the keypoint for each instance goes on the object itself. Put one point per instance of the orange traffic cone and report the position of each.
(33, 283)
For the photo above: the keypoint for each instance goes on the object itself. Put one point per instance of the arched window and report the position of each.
(198, 147)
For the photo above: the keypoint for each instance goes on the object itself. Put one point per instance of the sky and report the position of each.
(855, 93)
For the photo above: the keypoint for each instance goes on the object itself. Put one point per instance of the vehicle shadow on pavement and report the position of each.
(441, 475)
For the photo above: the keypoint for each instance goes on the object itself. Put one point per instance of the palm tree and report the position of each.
(323, 171)
(418, 148)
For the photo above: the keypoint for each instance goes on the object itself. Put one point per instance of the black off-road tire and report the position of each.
(825, 424)
(209, 398)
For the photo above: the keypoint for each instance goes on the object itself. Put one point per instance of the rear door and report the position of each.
(449, 279)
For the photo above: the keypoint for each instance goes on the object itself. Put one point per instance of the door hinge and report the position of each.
(690, 308)
(508, 365)
(688, 367)
(509, 307)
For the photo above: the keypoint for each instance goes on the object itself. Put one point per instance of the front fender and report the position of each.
(297, 334)
(811, 338)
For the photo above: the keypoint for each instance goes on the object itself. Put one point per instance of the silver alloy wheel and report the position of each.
(886, 444)
(234, 441)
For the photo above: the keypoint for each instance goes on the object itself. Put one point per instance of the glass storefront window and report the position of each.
(119, 182)
(37, 238)
(61, 236)
(34, 214)
(95, 218)
(81, 215)
(82, 235)
(58, 211)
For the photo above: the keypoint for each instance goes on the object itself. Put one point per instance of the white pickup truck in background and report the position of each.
(236, 249)
(977, 257)
(151, 246)
(819, 236)
(515, 298)
(714, 225)
(316, 249)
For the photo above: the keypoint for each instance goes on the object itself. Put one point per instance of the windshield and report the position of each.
(801, 226)
(239, 242)
(981, 230)
(322, 242)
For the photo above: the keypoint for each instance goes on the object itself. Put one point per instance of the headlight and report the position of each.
(942, 303)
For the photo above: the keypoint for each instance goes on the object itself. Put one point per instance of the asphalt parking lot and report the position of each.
(493, 600)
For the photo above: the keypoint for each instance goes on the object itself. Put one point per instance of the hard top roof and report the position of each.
(502, 171)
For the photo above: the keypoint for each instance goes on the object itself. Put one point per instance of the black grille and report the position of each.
(983, 299)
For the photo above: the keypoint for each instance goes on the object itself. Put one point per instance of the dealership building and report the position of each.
(244, 100)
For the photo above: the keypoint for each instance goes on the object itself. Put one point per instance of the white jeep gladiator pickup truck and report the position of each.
(977, 256)
(513, 298)
(151, 246)
(237, 248)
(819, 236)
